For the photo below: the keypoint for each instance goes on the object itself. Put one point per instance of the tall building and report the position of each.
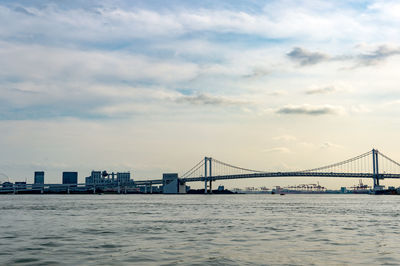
(94, 178)
(97, 177)
(123, 178)
(70, 178)
(39, 177)
(172, 184)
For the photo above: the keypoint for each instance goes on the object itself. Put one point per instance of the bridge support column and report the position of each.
(375, 167)
(151, 188)
(210, 174)
(205, 175)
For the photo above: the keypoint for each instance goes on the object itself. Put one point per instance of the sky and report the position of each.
(154, 86)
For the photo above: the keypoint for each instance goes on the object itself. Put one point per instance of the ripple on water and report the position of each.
(24, 260)
(198, 230)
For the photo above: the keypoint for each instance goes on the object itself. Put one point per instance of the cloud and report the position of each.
(309, 110)
(373, 56)
(360, 108)
(377, 55)
(258, 73)
(285, 138)
(206, 99)
(108, 22)
(323, 90)
(278, 150)
(277, 93)
(328, 145)
(305, 57)
(23, 11)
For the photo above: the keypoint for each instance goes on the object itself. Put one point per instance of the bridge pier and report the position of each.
(375, 168)
(207, 175)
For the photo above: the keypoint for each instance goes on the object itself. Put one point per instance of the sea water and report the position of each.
(199, 229)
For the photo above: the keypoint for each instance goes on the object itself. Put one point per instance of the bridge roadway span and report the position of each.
(274, 174)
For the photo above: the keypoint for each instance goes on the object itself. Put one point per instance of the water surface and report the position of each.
(199, 229)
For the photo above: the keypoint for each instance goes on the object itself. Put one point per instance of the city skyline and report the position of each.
(152, 87)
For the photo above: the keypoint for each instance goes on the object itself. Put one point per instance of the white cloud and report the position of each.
(278, 150)
(313, 110)
(321, 90)
(328, 145)
(142, 81)
(285, 138)
(288, 19)
(305, 57)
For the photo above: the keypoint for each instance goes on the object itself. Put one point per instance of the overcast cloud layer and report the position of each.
(157, 76)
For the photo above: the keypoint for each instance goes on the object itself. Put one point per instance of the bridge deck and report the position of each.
(292, 174)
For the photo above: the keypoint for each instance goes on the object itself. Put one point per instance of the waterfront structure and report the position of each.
(123, 177)
(70, 178)
(20, 185)
(172, 184)
(94, 178)
(7, 184)
(39, 178)
(210, 169)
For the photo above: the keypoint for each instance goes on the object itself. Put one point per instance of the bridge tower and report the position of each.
(207, 174)
(375, 167)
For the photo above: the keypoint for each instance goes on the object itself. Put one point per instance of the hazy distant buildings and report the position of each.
(20, 185)
(172, 184)
(7, 185)
(39, 178)
(98, 177)
(70, 178)
(94, 178)
(124, 177)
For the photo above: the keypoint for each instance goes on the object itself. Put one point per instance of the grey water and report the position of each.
(199, 229)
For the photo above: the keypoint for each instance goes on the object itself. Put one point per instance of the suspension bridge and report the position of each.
(372, 164)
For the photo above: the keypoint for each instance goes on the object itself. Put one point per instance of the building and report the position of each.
(88, 180)
(70, 178)
(20, 185)
(7, 185)
(39, 178)
(172, 184)
(94, 178)
(124, 177)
